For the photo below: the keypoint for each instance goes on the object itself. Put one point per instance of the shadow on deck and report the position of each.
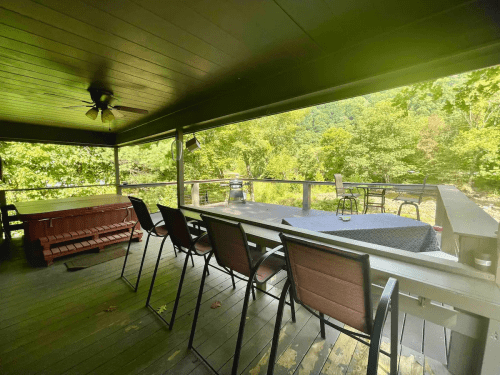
(57, 322)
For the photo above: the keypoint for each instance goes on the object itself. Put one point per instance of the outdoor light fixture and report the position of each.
(107, 115)
(92, 113)
(193, 144)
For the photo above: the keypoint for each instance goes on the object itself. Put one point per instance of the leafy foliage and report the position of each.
(447, 129)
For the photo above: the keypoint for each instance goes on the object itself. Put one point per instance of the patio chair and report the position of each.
(411, 201)
(336, 283)
(344, 194)
(232, 252)
(177, 227)
(156, 230)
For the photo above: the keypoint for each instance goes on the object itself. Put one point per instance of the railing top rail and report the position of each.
(56, 187)
(428, 187)
(155, 184)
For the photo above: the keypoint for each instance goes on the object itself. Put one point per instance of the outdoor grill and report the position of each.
(236, 192)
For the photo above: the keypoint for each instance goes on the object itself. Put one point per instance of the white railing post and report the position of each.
(497, 271)
(306, 196)
(195, 194)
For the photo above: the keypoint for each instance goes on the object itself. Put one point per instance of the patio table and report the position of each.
(377, 191)
(381, 229)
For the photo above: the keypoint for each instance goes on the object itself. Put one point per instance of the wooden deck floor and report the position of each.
(90, 322)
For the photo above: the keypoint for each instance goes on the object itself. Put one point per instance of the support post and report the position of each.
(179, 138)
(440, 211)
(491, 359)
(3, 201)
(306, 196)
(195, 194)
(117, 172)
(497, 270)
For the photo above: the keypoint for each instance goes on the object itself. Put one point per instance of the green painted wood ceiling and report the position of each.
(202, 63)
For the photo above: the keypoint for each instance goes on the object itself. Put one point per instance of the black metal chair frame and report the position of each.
(343, 196)
(377, 193)
(150, 232)
(250, 282)
(412, 201)
(189, 253)
(6, 220)
(389, 301)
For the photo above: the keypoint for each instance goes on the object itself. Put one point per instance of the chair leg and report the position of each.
(142, 264)
(394, 331)
(192, 260)
(292, 308)
(154, 273)
(322, 325)
(198, 303)
(205, 257)
(175, 251)
(179, 289)
(412, 204)
(128, 250)
(253, 292)
(232, 278)
(277, 327)
(241, 331)
(399, 211)
(351, 200)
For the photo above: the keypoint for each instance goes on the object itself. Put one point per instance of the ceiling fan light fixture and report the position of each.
(92, 113)
(107, 115)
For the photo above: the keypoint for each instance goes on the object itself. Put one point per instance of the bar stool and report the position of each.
(156, 230)
(411, 201)
(177, 227)
(378, 194)
(232, 252)
(344, 194)
(336, 283)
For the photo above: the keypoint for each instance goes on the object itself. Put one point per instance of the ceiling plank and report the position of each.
(179, 14)
(78, 93)
(34, 32)
(77, 62)
(85, 34)
(150, 24)
(22, 67)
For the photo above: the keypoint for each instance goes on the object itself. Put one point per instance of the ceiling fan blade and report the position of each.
(67, 97)
(118, 114)
(130, 109)
(76, 106)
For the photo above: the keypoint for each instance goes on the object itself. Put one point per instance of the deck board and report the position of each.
(55, 322)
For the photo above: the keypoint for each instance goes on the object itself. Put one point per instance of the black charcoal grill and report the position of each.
(236, 193)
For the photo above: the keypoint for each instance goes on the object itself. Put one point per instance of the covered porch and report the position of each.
(179, 68)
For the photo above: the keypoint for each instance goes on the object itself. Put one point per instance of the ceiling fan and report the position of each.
(101, 100)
